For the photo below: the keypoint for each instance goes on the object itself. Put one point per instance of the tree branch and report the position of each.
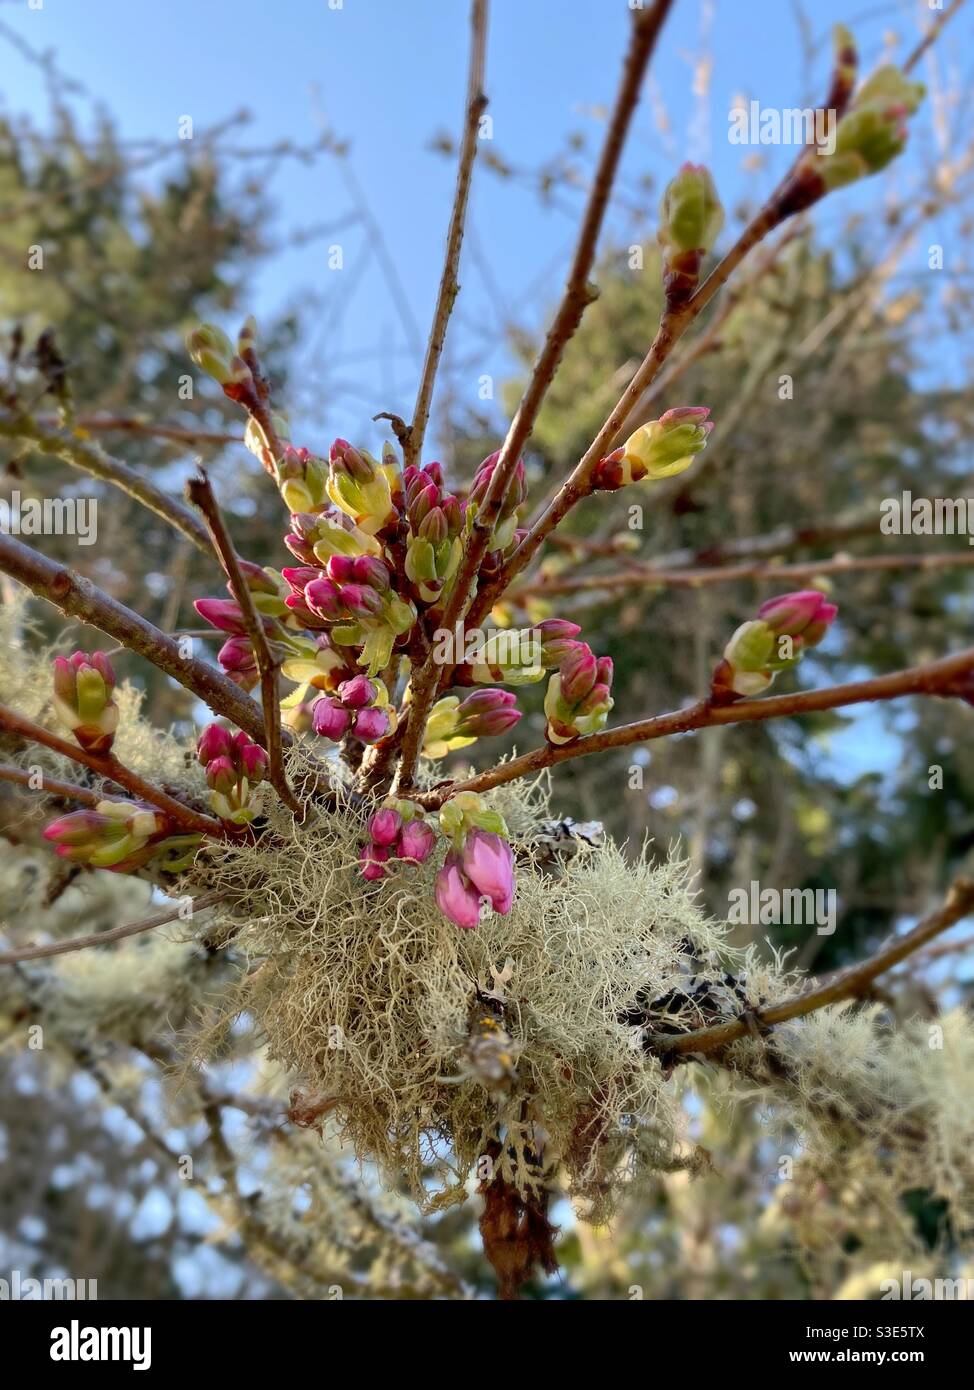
(673, 325)
(79, 598)
(200, 492)
(104, 938)
(845, 985)
(650, 577)
(107, 765)
(413, 437)
(69, 791)
(945, 677)
(578, 294)
(74, 447)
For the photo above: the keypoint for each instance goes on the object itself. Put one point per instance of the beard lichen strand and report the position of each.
(364, 993)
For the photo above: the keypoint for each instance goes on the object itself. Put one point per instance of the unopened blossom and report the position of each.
(774, 641)
(360, 486)
(658, 449)
(455, 724)
(234, 765)
(384, 827)
(488, 862)
(360, 706)
(214, 353)
(222, 613)
(578, 698)
(690, 219)
(871, 133)
(506, 523)
(456, 896)
(302, 480)
(117, 835)
(83, 687)
(480, 863)
(416, 841)
(238, 659)
(397, 831)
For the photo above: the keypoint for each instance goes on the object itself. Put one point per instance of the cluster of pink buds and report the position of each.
(577, 700)
(234, 766)
(236, 656)
(480, 864)
(365, 490)
(396, 831)
(784, 629)
(454, 724)
(658, 449)
(435, 522)
(518, 656)
(353, 598)
(116, 835)
(506, 526)
(83, 687)
(360, 707)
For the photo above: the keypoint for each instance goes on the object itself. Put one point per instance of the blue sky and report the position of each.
(389, 76)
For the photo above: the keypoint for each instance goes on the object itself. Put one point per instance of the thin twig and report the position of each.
(847, 984)
(577, 295)
(945, 677)
(650, 577)
(69, 791)
(107, 765)
(931, 35)
(104, 938)
(200, 493)
(449, 285)
(79, 598)
(138, 424)
(73, 446)
(673, 325)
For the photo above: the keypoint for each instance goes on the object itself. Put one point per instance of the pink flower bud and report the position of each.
(372, 724)
(237, 658)
(578, 672)
(416, 841)
(213, 742)
(487, 713)
(254, 763)
(456, 896)
(300, 548)
(359, 600)
(557, 638)
(299, 576)
(258, 580)
(795, 614)
(373, 572)
(357, 692)
(322, 597)
(341, 568)
(221, 774)
(330, 718)
(434, 528)
(222, 613)
(372, 858)
(384, 827)
(488, 862)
